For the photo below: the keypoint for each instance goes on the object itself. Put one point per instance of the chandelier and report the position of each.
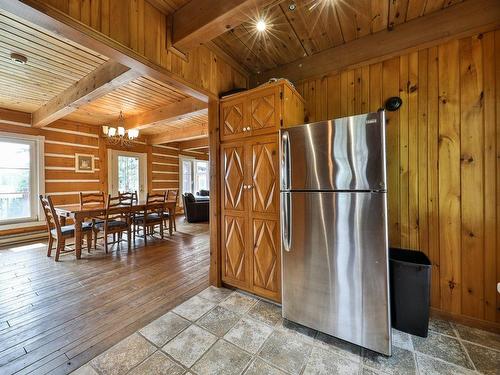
(118, 135)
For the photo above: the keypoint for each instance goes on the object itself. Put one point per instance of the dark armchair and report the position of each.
(195, 210)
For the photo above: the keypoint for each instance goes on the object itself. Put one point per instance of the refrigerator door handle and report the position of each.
(286, 219)
(285, 161)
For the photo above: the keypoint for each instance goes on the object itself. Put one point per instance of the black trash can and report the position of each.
(410, 275)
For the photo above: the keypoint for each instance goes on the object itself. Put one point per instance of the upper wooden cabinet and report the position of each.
(260, 111)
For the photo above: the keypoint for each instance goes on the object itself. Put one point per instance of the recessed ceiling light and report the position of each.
(261, 25)
(292, 6)
(18, 58)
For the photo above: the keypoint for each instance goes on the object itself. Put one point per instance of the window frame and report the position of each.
(37, 177)
(193, 161)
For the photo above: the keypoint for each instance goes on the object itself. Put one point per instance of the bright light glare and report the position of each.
(261, 25)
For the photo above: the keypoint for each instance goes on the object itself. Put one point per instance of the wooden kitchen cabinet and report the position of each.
(250, 210)
(260, 111)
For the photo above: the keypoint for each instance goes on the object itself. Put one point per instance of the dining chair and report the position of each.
(151, 216)
(172, 195)
(116, 220)
(93, 199)
(60, 233)
(127, 198)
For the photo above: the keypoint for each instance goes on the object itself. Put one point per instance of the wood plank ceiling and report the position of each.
(198, 119)
(315, 25)
(53, 65)
(141, 95)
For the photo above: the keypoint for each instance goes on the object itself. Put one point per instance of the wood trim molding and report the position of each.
(168, 113)
(460, 20)
(180, 134)
(53, 20)
(103, 80)
(202, 20)
(215, 274)
(466, 320)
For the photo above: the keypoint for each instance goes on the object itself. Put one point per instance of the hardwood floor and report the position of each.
(54, 317)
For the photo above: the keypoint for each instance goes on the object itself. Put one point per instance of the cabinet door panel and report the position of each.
(233, 177)
(232, 119)
(265, 111)
(266, 258)
(265, 177)
(234, 255)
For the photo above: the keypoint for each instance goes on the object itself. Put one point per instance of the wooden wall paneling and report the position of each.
(422, 220)
(472, 188)
(333, 95)
(403, 153)
(413, 155)
(497, 95)
(449, 177)
(390, 70)
(433, 173)
(442, 150)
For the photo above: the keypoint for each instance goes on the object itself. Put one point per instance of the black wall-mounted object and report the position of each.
(393, 103)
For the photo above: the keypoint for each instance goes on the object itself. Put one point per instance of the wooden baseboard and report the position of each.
(466, 320)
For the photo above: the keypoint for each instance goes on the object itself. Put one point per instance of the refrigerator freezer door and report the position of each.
(335, 266)
(341, 154)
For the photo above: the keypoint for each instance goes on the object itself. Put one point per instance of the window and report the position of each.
(19, 179)
(194, 175)
(128, 173)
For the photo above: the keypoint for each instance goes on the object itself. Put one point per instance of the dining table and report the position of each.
(78, 214)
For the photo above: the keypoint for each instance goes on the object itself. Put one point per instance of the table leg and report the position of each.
(170, 222)
(78, 238)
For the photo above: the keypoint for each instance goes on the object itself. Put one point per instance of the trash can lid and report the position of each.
(409, 256)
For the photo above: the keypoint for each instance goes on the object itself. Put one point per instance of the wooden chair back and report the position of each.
(51, 215)
(152, 204)
(173, 195)
(116, 209)
(128, 197)
(89, 199)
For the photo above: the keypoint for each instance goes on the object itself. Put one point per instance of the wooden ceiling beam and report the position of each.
(460, 20)
(200, 21)
(179, 134)
(193, 145)
(101, 81)
(172, 112)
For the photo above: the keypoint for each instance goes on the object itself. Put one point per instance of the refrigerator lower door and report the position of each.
(335, 265)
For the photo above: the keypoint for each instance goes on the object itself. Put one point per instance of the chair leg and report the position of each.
(89, 241)
(145, 229)
(173, 221)
(49, 246)
(60, 247)
(129, 235)
(106, 242)
(161, 230)
(96, 233)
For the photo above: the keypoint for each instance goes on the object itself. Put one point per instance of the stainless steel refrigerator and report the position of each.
(334, 229)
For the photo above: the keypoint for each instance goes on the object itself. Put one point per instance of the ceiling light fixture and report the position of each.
(18, 58)
(261, 25)
(292, 6)
(119, 135)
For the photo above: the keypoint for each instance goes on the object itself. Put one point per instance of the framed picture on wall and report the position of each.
(84, 163)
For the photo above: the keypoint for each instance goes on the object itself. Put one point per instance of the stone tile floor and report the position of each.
(220, 331)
